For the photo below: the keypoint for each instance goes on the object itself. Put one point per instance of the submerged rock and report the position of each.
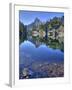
(43, 71)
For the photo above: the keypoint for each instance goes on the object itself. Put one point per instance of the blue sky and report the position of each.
(27, 17)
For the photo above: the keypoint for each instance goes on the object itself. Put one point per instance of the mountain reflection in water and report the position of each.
(28, 51)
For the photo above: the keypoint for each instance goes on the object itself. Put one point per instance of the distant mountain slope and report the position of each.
(34, 24)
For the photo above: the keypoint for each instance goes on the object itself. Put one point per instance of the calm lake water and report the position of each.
(29, 53)
(32, 56)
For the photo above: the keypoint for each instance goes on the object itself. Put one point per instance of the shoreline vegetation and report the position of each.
(51, 33)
